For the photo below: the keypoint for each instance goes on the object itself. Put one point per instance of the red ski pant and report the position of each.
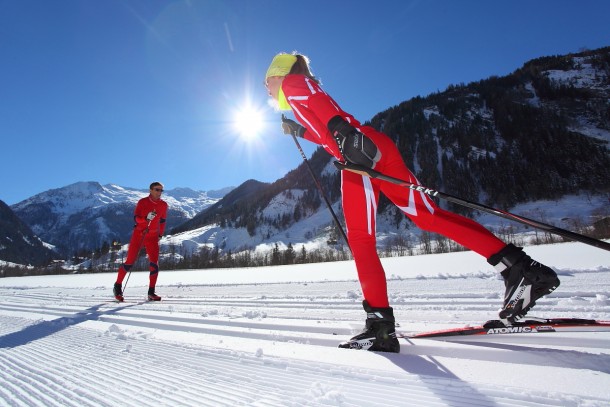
(360, 195)
(138, 240)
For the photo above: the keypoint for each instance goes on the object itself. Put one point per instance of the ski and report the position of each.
(530, 325)
(116, 302)
(130, 300)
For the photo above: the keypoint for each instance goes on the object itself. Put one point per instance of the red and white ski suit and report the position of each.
(313, 108)
(146, 234)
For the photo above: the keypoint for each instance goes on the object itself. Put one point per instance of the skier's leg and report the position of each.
(132, 255)
(422, 210)
(525, 279)
(359, 199)
(152, 249)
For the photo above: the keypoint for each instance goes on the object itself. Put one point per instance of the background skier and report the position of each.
(290, 82)
(149, 216)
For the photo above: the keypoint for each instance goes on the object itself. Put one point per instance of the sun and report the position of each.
(248, 122)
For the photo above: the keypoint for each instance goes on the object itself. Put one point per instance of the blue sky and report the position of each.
(131, 91)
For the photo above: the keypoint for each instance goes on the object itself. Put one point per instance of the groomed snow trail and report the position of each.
(274, 344)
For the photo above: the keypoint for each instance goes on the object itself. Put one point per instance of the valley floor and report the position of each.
(268, 337)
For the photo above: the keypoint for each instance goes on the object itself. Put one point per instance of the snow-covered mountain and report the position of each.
(18, 244)
(255, 216)
(85, 215)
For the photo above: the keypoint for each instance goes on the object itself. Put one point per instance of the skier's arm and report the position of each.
(303, 94)
(324, 107)
(139, 217)
(163, 217)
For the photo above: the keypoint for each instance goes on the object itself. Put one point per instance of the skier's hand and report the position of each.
(151, 215)
(354, 146)
(292, 127)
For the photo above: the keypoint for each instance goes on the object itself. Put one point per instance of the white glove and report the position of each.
(151, 216)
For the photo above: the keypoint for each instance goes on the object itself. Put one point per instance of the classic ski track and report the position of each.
(269, 327)
(125, 386)
(472, 303)
(79, 327)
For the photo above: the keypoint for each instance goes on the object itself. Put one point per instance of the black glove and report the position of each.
(353, 145)
(292, 127)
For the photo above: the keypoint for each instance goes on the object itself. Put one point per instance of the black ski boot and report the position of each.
(525, 280)
(152, 296)
(117, 290)
(379, 334)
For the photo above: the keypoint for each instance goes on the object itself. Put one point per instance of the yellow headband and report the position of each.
(281, 65)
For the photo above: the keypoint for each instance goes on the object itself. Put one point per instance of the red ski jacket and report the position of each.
(143, 208)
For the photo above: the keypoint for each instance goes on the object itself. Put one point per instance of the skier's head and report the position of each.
(280, 65)
(156, 184)
(284, 64)
(156, 189)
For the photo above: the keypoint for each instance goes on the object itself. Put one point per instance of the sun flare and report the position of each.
(248, 122)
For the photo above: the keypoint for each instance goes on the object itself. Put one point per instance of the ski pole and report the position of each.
(369, 172)
(139, 248)
(315, 179)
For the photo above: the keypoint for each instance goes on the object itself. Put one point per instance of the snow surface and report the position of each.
(268, 337)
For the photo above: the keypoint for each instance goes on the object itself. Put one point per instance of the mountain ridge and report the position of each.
(18, 242)
(85, 215)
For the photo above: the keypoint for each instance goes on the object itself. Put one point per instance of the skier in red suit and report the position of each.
(291, 84)
(149, 216)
